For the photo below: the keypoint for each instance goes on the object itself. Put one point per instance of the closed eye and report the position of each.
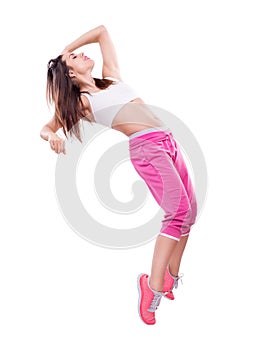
(73, 56)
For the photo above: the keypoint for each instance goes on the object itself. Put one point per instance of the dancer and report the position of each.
(77, 95)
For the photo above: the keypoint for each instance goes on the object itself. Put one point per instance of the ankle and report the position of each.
(155, 287)
(173, 273)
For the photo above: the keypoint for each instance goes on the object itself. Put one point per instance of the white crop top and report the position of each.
(105, 104)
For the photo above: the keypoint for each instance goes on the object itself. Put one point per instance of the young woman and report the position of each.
(154, 153)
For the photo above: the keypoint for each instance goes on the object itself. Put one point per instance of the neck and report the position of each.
(88, 83)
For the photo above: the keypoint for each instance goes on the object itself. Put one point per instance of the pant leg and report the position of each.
(156, 162)
(183, 172)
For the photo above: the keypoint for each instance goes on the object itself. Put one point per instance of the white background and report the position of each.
(201, 60)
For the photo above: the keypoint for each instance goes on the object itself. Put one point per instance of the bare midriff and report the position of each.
(135, 116)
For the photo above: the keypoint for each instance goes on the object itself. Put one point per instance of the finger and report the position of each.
(58, 148)
(63, 147)
(52, 146)
(55, 146)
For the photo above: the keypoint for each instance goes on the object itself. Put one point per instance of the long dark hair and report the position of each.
(65, 94)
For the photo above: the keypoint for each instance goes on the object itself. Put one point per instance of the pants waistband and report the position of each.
(147, 131)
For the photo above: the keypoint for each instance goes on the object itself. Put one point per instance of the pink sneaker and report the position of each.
(170, 282)
(149, 300)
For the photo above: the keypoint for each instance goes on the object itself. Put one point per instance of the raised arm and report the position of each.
(101, 36)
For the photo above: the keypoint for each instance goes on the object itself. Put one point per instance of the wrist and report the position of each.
(65, 50)
(51, 135)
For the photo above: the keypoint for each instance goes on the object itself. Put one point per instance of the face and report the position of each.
(78, 64)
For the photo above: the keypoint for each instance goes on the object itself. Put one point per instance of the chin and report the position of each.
(90, 62)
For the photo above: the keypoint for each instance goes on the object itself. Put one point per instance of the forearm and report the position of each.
(92, 36)
(50, 129)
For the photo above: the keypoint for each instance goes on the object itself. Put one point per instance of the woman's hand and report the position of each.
(64, 51)
(57, 144)
(48, 133)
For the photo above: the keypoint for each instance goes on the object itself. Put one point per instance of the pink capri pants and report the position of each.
(158, 160)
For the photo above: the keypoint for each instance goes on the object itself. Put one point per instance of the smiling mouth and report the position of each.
(86, 58)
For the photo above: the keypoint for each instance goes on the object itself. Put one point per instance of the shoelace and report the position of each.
(155, 302)
(176, 281)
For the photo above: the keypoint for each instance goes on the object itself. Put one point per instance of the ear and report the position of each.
(71, 74)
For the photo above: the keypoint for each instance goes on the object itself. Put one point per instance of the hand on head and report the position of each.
(64, 51)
